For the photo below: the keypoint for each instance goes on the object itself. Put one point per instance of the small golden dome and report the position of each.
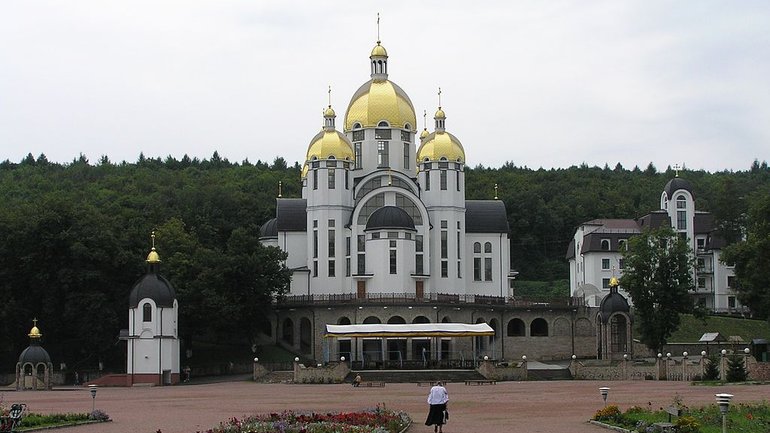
(305, 169)
(614, 282)
(439, 114)
(379, 51)
(329, 143)
(35, 333)
(329, 112)
(153, 257)
(376, 101)
(424, 133)
(441, 145)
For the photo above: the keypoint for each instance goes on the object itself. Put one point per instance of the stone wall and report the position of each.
(503, 372)
(333, 372)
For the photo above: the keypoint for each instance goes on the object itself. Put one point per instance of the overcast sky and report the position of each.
(538, 83)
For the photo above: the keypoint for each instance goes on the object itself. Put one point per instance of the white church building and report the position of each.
(595, 252)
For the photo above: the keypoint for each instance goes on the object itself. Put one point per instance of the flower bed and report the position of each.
(743, 417)
(376, 420)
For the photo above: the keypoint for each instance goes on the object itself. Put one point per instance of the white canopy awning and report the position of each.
(410, 330)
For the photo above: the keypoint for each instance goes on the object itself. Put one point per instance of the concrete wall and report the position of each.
(334, 372)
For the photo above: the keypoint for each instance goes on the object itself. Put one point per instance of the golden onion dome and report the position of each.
(35, 333)
(380, 100)
(153, 257)
(439, 114)
(305, 169)
(329, 143)
(424, 133)
(439, 145)
(329, 112)
(379, 51)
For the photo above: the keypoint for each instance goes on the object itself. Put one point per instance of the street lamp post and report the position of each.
(92, 389)
(723, 400)
(604, 392)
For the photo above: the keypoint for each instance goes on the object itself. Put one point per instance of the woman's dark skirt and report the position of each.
(436, 414)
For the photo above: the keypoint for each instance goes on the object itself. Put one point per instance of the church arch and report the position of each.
(421, 319)
(516, 328)
(343, 321)
(583, 327)
(372, 320)
(494, 326)
(561, 327)
(396, 320)
(287, 331)
(147, 312)
(305, 335)
(538, 328)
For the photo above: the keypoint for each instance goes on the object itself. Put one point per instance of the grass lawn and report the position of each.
(691, 328)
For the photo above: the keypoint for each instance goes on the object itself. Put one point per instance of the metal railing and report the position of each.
(411, 298)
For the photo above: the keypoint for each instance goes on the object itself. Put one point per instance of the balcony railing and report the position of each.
(443, 298)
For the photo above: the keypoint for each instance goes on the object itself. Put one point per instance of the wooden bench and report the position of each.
(371, 385)
(669, 426)
(8, 423)
(481, 382)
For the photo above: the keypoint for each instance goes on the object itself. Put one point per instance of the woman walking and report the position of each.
(437, 399)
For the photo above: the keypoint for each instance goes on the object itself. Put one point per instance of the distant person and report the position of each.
(77, 379)
(187, 373)
(357, 380)
(437, 399)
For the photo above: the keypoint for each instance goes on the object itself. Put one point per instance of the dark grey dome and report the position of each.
(613, 303)
(676, 184)
(269, 229)
(34, 354)
(155, 287)
(390, 217)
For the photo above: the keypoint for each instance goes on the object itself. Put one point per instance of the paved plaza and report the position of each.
(522, 407)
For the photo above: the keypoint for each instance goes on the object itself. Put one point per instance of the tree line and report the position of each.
(73, 237)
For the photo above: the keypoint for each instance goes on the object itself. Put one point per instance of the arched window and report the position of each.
(372, 320)
(396, 320)
(605, 244)
(407, 126)
(516, 328)
(538, 328)
(477, 247)
(147, 312)
(487, 247)
(305, 335)
(377, 201)
(343, 321)
(383, 124)
(421, 319)
(287, 333)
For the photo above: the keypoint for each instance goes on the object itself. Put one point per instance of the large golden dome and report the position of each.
(378, 101)
(439, 145)
(330, 143)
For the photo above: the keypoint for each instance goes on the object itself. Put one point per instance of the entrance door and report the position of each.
(361, 289)
(419, 290)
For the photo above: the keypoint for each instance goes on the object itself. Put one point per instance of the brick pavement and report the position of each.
(522, 407)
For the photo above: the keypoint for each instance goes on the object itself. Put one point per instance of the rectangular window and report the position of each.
(444, 246)
(358, 135)
(382, 134)
(347, 245)
(605, 264)
(701, 282)
(315, 178)
(361, 264)
(731, 302)
(427, 181)
(681, 220)
(331, 268)
(701, 264)
(332, 243)
(459, 256)
(347, 179)
(487, 269)
(605, 283)
(392, 261)
(392, 235)
(376, 235)
(382, 154)
(361, 244)
(347, 266)
(442, 180)
(621, 263)
(406, 136)
(315, 241)
(418, 267)
(701, 243)
(459, 269)
(418, 243)
(315, 268)
(357, 150)
(332, 179)
(457, 180)
(477, 269)
(444, 269)
(731, 281)
(406, 155)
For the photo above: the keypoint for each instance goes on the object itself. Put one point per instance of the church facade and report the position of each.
(595, 253)
(383, 233)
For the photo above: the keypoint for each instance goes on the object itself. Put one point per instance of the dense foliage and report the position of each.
(73, 237)
(752, 256)
(657, 276)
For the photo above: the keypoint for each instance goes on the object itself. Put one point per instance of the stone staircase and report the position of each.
(550, 374)
(277, 377)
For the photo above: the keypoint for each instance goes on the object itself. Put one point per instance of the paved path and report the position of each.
(522, 407)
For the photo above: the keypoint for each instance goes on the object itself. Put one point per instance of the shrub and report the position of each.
(608, 413)
(687, 424)
(736, 369)
(712, 368)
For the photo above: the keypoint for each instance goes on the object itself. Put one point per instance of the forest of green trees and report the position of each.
(73, 237)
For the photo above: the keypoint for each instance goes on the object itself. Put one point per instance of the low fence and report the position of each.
(412, 298)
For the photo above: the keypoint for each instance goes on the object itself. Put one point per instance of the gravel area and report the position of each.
(523, 407)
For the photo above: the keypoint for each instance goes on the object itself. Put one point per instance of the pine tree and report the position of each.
(711, 371)
(736, 369)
